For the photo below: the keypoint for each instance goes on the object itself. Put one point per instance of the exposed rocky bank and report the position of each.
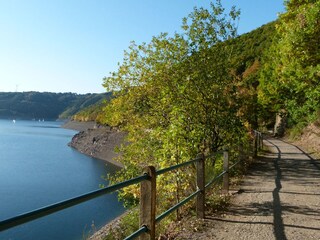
(96, 141)
(80, 126)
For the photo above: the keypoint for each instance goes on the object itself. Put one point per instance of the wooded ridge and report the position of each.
(45, 105)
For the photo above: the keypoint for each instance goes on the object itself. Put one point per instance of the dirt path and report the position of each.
(279, 199)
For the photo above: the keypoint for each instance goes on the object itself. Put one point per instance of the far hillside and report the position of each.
(45, 105)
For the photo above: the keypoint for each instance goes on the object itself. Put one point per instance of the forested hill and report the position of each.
(46, 105)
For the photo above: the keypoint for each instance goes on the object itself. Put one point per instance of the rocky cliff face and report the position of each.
(280, 124)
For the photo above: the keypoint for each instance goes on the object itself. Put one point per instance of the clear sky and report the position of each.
(70, 45)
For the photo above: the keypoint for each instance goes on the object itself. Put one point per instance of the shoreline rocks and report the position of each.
(79, 126)
(96, 141)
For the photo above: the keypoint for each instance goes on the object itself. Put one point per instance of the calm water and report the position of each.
(37, 168)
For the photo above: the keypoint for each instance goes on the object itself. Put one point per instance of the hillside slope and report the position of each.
(309, 138)
(46, 105)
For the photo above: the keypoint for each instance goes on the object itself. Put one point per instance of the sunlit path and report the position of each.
(279, 199)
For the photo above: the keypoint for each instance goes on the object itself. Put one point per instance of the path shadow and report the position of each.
(261, 222)
(289, 168)
(314, 162)
(267, 209)
(294, 165)
(277, 208)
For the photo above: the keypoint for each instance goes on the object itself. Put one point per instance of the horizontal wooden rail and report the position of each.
(41, 212)
(137, 233)
(169, 169)
(175, 207)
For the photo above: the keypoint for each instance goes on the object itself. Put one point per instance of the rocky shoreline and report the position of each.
(79, 126)
(96, 141)
(99, 142)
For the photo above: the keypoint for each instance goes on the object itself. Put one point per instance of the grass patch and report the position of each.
(296, 132)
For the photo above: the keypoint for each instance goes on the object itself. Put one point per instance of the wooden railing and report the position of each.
(148, 218)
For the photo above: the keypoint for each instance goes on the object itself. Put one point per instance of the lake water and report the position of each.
(37, 168)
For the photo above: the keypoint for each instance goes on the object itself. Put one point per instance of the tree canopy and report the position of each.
(176, 97)
(206, 88)
(290, 79)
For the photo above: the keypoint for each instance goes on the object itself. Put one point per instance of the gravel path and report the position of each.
(279, 199)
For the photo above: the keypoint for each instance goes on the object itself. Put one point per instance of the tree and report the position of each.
(176, 97)
(291, 76)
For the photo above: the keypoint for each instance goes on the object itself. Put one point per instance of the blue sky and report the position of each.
(70, 45)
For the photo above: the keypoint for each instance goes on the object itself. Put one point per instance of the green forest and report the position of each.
(207, 88)
(48, 106)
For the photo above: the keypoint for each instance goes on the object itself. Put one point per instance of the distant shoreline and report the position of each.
(95, 141)
(79, 126)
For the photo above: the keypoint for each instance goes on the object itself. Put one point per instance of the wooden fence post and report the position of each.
(148, 204)
(201, 186)
(255, 145)
(242, 157)
(225, 186)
